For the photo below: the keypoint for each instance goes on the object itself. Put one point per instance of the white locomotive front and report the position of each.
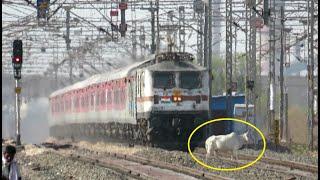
(172, 97)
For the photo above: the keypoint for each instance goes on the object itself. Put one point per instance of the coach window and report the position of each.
(116, 96)
(87, 101)
(57, 106)
(142, 83)
(97, 99)
(138, 85)
(77, 103)
(92, 100)
(102, 98)
(109, 98)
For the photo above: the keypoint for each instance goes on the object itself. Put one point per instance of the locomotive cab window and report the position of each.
(163, 80)
(190, 80)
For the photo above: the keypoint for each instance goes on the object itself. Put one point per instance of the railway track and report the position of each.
(289, 168)
(134, 166)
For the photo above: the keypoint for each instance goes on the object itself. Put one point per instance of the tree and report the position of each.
(219, 74)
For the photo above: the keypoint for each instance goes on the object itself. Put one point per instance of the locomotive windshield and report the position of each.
(163, 80)
(190, 80)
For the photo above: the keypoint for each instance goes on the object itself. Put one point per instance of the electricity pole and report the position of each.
(182, 32)
(198, 7)
(310, 73)
(68, 41)
(210, 56)
(271, 79)
(153, 32)
(142, 39)
(229, 56)
(158, 28)
(281, 110)
(134, 39)
(251, 83)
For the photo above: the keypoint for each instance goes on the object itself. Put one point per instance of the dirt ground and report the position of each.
(298, 126)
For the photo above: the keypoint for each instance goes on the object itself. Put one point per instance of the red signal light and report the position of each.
(17, 60)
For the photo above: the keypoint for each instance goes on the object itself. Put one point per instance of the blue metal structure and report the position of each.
(218, 103)
(219, 110)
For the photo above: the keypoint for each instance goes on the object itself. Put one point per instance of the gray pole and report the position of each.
(286, 132)
(204, 37)
(259, 80)
(142, 41)
(158, 29)
(123, 20)
(229, 57)
(200, 43)
(271, 88)
(182, 33)
(247, 61)
(210, 37)
(210, 56)
(55, 66)
(281, 110)
(253, 62)
(17, 107)
(134, 39)
(68, 41)
(310, 73)
(235, 56)
(153, 32)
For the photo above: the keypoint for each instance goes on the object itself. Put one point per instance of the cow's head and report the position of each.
(246, 136)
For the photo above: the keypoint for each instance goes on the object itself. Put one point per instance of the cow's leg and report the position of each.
(207, 156)
(235, 154)
(208, 148)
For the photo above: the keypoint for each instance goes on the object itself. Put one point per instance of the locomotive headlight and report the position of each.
(175, 98)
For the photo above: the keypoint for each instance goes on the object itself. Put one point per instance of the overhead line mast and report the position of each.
(229, 55)
(310, 66)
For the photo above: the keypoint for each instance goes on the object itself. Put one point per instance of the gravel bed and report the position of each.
(181, 158)
(303, 158)
(47, 165)
(57, 167)
(283, 153)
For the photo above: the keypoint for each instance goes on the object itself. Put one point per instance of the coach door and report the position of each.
(138, 91)
(132, 97)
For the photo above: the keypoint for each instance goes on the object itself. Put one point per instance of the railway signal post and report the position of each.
(17, 65)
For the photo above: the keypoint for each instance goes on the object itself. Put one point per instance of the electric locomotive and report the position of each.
(157, 101)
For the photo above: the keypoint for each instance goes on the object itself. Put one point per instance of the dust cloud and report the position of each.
(34, 121)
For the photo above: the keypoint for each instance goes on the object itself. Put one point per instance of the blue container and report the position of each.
(219, 109)
(218, 103)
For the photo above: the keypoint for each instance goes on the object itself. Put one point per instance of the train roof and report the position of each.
(95, 79)
(166, 65)
(175, 66)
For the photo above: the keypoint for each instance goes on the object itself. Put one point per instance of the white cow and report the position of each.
(230, 142)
